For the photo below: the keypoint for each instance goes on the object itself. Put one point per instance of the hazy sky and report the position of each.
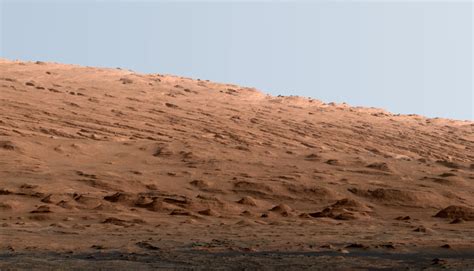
(405, 56)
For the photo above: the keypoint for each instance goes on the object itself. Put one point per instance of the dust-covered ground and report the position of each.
(165, 170)
(195, 260)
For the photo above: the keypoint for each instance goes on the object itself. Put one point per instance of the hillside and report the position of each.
(94, 158)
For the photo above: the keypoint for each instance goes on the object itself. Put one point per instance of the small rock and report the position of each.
(126, 81)
(327, 246)
(146, 245)
(332, 162)
(41, 209)
(438, 261)
(171, 105)
(422, 229)
(457, 221)
(97, 247)
(357, 245)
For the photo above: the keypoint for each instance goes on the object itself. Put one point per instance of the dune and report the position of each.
(121, 157)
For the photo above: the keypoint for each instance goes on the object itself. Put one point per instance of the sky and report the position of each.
(404, 56)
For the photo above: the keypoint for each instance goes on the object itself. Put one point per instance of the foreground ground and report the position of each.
(195, 260)
(111, 162)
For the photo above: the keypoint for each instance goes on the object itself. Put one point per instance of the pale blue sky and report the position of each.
(405, 56)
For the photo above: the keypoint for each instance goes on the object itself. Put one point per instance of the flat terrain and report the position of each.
(198, 260)
(98, 161)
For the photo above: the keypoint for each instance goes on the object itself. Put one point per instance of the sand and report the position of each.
(113, 160)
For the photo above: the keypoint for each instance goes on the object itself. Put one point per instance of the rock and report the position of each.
(422, 229)
(357, 245)
(344, 209)
(457, 211)
(333, 162)
(146, 245)
(41, 209)
(281, 208)
(327, 246)
(208, 212)
(126, 80)
(247, 200)
(181, 212)
(438, 261)
(457, 221)
(379, 166)
(7, 145)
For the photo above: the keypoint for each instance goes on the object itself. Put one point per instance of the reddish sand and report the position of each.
(94, 158)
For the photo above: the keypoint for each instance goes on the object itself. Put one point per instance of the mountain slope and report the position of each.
(101, 153)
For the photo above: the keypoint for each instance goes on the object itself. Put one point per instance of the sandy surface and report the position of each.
(108, 160)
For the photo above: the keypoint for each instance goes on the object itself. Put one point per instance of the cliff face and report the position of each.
(93, 152)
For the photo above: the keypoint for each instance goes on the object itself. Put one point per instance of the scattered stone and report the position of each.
(344, 209)
(146, 245)
(5, 206)
(312, 157)
(457, 211)
(98, 247)
(180, 212)
(448, 164)
(171, 105)
(379, 166)
(247, 200)
(329, 246)
(447, 174)
(457, 221)
(47, 199)
(332, 162)
(7, 145)
(357, 245)
(41, 209)
(438, 261)
(422, 229)
(389, 246)
(208, 212)
(126, 80)
(281, 208)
